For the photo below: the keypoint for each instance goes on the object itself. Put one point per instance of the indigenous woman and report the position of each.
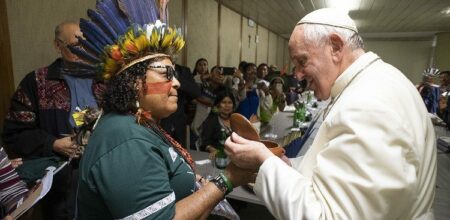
(131, 168)
(216, 121)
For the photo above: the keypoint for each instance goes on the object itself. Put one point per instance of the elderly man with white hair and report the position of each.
(374, 156)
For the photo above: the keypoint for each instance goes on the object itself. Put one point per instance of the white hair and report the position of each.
(318, 35)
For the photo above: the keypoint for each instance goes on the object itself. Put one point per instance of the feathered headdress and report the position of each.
(121, 33)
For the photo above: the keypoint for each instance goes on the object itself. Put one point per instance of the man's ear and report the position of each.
(337, 47)
(56, 44)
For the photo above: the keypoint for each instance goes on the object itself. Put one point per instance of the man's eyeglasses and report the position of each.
(170, 71)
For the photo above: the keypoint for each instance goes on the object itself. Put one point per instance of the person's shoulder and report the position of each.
(29, 77)
(124, 124)
(118, 131)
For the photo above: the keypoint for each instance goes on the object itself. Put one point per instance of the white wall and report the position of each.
(410, 57)
(31, 27)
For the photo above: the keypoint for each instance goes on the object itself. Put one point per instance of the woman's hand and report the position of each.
(202, 180)
(239, 176)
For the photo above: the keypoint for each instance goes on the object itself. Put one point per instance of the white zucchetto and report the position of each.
(331, 17)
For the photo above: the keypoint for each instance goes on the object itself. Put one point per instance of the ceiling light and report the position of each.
(446, 11)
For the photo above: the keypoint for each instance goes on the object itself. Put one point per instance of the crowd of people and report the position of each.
(434, 90)
(372, 158)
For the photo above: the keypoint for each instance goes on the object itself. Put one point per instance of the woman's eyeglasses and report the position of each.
(170, 71)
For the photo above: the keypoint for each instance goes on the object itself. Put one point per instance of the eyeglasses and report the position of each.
(170, 71)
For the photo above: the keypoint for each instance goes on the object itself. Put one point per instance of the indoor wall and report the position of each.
(216, 33)
(442, 53)
(411, 57)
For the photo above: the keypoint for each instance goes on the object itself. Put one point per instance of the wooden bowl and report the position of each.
(243, 127)
(274, 147)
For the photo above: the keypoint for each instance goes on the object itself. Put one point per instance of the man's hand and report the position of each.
(16, 162)
(245, 153)
(66, 147)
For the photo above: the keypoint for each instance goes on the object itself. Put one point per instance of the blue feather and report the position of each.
(139, 11)
(98, 19)
(109, 9)
(89, 46)
(152, 12)
(131, 9)
(84, 55)
(87, 33)
(96, 31)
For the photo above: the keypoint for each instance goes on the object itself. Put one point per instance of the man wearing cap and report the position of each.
(374, 156)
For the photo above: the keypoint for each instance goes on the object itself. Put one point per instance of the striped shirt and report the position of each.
(12, 188)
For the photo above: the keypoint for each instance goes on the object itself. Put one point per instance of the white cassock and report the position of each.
(374, 156)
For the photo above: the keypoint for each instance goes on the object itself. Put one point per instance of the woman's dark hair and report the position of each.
(242, 65)
(215, 67)
(121, 95)
(262, 65)
(223, 94)
(196, 63)
(248, 66)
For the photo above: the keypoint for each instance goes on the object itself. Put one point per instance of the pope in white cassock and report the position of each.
(374, 156)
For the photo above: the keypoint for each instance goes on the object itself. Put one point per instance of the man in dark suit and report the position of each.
(176, 123)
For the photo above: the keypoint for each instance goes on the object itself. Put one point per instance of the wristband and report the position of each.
(227, 182)
(221, 182)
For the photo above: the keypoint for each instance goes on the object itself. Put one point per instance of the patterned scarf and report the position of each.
(144, 118)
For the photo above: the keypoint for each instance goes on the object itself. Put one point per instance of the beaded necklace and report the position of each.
(144, 118)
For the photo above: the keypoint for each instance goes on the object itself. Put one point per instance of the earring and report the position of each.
(137, 104)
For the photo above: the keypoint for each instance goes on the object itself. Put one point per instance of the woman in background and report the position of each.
(212, 126)
(201, 73)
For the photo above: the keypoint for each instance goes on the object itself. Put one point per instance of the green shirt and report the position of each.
(127, 169)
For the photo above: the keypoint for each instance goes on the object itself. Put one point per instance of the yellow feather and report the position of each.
(181, 45)
(167, 40)
(141, 43)
(130, 46)
(154, 39)
(106, 76)
(110, 65)
(130, 34)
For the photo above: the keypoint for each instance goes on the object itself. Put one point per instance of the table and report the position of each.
(279, 130)
(207, 170)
